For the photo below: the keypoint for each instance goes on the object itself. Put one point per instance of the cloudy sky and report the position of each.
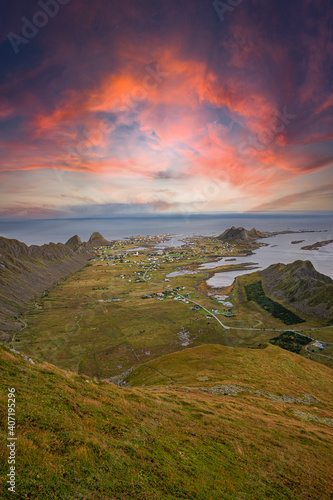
(165, 106)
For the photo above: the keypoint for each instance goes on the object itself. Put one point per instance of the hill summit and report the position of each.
(74, 243)
(97, 240)
(79, 246)
(241, 235)
(299, 284)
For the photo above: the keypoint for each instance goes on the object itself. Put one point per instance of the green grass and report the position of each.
(83, 439)
(255, 292)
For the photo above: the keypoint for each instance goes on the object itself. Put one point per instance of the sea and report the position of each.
(279, 249)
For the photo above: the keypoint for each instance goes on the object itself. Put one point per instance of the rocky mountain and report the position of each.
(241, 235)
(97, 240)
(79, 246)
(300, 285)
(75, 243)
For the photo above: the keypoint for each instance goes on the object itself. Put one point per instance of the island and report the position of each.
(317, 245)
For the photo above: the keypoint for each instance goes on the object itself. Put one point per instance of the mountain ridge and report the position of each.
(27, 271)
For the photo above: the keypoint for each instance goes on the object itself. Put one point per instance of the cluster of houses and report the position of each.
(320, 345)
(152, 260)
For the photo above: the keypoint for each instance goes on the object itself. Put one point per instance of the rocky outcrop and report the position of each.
(317, 245)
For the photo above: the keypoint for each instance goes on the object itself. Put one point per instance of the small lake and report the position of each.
(180, 273)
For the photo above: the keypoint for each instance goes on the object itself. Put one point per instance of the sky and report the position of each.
(166, 106)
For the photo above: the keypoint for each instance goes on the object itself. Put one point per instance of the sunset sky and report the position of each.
(169, 106)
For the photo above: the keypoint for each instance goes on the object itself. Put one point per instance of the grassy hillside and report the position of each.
(80, 438)
(299, 284)
(271, 369)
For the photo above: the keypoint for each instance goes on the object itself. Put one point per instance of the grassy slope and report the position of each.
(92, 440)
(271, 369)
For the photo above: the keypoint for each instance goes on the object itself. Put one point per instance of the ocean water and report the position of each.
(280, 248)
(38, 232)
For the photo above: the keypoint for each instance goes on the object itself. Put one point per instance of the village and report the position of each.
(142, 262)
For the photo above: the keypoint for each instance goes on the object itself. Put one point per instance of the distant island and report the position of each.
(317, 245)
(242, 235)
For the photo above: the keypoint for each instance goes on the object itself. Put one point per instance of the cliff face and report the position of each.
(299, 284)
(27, 271)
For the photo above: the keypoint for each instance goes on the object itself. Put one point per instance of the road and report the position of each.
(237, 327)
